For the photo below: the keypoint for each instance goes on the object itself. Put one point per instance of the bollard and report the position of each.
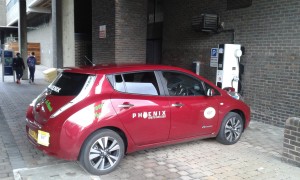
(291, 143)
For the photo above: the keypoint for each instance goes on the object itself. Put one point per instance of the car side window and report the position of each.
(180, 84)
(137, 83)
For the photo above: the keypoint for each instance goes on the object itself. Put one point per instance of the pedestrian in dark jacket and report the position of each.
(18, 66)
(31, 62)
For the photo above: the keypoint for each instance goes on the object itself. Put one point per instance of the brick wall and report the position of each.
(131, 31)
(291, 144)
(126, 28)
(103, 13)
(270, 32)
(181, 44)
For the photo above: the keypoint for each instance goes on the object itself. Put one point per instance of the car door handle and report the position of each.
(177, 105)
(125, 105)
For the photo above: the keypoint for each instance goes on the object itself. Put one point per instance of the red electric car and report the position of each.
(97, 114)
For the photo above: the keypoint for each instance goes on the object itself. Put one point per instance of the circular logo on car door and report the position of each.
(209, 113)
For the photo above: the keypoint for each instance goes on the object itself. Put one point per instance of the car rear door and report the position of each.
(192, 112)
(144, 113)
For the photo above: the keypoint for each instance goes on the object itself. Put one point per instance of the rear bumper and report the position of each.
(54, 148)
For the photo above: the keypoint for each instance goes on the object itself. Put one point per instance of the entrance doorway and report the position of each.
(154, 51)
(154, 32)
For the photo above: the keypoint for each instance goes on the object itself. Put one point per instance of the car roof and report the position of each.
(119, 68)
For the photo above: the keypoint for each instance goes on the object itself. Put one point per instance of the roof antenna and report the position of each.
(90, 61)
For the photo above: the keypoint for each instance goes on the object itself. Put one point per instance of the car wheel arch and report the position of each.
(231, 127)
(119, 131)
(239, 112)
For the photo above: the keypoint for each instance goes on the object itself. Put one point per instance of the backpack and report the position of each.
(31, 61)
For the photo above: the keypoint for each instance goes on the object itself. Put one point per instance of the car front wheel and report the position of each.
(231, 129)
(102, 152)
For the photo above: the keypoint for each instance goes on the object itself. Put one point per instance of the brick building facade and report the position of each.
(126, 28)
(269, 31)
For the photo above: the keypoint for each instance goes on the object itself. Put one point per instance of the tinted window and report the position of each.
(137, 83)
(179, 84)
(68, 84)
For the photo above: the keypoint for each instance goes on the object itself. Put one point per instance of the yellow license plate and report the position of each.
(43, 138)
(33, 134)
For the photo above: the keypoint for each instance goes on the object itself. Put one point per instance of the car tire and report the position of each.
(231, 129)
(102, 152)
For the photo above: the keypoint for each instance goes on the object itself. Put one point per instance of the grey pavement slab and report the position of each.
(256, 156)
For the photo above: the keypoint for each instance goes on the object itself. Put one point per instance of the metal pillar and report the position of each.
(22, 31)
(57, 33)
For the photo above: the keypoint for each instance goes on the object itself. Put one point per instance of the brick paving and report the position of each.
(256, 156)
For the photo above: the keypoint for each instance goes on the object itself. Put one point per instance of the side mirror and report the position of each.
(210, 92)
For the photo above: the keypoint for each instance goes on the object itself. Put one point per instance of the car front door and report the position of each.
(192, 112)
(143, 112)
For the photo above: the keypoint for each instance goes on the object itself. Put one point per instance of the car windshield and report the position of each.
(67, 84)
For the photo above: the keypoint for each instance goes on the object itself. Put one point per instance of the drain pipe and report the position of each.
(233, 33)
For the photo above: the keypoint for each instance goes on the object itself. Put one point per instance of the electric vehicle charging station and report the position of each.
(228, 66)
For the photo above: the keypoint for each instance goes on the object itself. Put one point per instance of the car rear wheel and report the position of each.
(231, 129)
(102, 152)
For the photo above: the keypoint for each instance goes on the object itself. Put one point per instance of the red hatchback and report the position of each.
(97, 114)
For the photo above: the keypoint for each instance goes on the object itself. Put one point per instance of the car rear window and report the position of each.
(68, 84)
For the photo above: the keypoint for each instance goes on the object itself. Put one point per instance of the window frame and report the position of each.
(201, 82)
(55, 90)
(112, 80)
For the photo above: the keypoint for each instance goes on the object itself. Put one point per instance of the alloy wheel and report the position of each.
(233, 129)
(104, 153)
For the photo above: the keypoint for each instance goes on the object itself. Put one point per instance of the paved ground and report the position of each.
(256, 156)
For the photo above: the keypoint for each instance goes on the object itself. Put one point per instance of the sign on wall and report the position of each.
(214, 57)
(102, 31)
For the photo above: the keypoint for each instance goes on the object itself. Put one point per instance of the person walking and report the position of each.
(18, 66)
(31, 62)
